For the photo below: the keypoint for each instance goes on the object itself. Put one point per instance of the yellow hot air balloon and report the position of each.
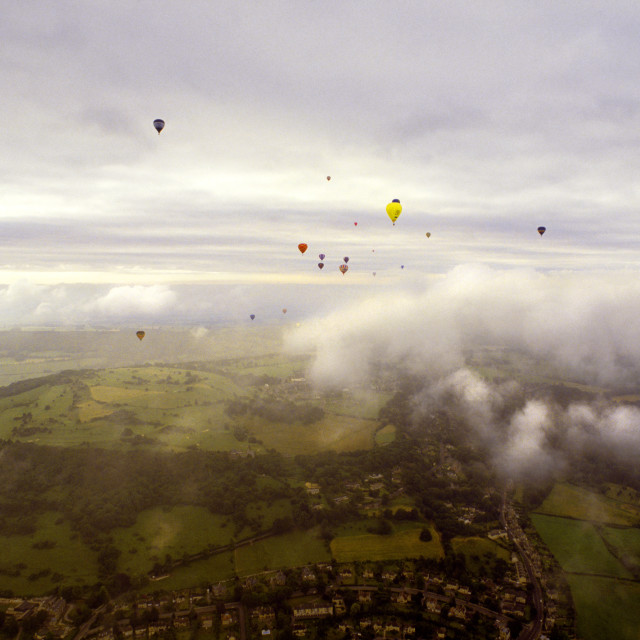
(428, 234)
(140, 334)
(394, 209)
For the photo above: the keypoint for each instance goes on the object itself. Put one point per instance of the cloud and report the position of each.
(584, 324)
(134, 301)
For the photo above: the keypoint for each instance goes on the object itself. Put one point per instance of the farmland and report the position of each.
(601, 561)
(399, 544)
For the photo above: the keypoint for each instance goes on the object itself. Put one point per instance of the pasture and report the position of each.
(570, 501)
(288, 550)
(476, 549)
(404, 543)
(577, 546)
(51, 556)
(175, 531)
(606, 608)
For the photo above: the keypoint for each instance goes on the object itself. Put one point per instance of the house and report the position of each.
(312, 610)
(400, 597)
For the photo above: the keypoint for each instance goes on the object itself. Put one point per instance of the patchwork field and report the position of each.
(175, 408)
(593, 538)
(577, 546)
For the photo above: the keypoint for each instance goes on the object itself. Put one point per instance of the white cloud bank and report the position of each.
(584, 325)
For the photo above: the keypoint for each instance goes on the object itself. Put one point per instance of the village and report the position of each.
(353, 600)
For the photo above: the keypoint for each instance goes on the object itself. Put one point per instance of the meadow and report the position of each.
(593, 538)
(52, 555)
(289, 550)
(401, 543)
(577, 546)
(570, 501)
(606, 608)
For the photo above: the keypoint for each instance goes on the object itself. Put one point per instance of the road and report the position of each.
(533, 630)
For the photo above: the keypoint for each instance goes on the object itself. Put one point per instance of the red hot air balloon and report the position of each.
(303, 247)
(320, 265)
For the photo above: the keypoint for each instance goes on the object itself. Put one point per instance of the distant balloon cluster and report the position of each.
(393, 209)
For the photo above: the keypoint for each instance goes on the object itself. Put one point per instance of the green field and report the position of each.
(174, 408)
(606, 608)
(63, 558)
(625, 545)
(178, 531)
(577, 546)
(475, 548)
(577, 502)
(289, 550)
(202, 572)
(404, 543)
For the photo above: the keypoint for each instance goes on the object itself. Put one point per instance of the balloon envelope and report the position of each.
(346, 258)
(328, 177)
(140, 334)
(541, 230)
(394, 209)
(320, 265)
(159, 125)
(321, 256)
(284, 311)
(428, 234)
(303, 247)
(252, 315)
(344, 268)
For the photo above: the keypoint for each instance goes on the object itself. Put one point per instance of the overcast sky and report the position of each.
(486, 119)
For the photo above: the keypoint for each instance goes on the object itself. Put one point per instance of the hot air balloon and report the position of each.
(303, 247)
(328, 177)
(355, 224)
(394, 209)
(284, 311)
(374, 274)
(541, 230)
(320, 265)
(402, 266)
(321, 256)
(428, 234)
(159, 125)
(140, 334)
(252, 315)
(346, 258)
(344, 268)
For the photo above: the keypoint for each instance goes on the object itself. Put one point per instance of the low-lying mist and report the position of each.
(578, 328)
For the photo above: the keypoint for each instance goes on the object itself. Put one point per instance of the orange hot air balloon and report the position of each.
(344, 268)
(140, 334)
(284, 311)
(303, 247)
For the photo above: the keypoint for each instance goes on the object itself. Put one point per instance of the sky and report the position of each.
(485, 119)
